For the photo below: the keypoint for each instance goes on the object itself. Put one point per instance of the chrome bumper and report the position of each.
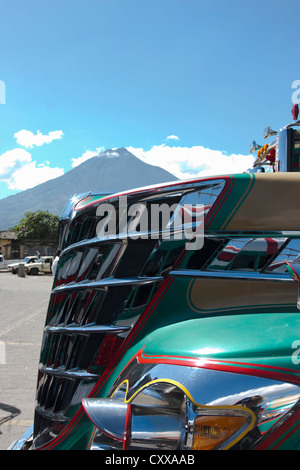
(25, 442)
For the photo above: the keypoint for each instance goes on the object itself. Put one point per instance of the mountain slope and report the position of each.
(110, 171)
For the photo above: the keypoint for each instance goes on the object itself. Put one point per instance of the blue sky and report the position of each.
(185, 84)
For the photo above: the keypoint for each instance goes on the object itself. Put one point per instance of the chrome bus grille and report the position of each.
(101, 288)
(89, 317)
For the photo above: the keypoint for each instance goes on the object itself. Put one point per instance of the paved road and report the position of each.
(23, 307)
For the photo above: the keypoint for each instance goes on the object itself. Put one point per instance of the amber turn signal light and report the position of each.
(212, 431)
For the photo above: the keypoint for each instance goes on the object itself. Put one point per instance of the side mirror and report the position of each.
(294, 271)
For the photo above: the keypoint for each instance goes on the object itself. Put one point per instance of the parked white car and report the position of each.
(2, 262)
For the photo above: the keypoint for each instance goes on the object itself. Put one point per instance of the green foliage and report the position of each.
(38, 225)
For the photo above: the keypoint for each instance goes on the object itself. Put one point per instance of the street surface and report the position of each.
(23, 307)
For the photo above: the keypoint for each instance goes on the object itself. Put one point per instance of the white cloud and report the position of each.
(19, 171)
(172, 137)
(28, 139)
(86, 156)
(11, 160)
(31, 175)
(191, 162)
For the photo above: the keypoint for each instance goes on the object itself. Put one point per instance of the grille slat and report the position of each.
(72, 374)
(86, 329)
(105, 283)
(49, 414)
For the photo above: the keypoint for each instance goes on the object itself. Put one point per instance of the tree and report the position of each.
(40, 225)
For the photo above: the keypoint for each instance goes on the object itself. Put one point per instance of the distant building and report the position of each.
(10, 246)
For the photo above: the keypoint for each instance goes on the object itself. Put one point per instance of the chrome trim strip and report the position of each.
(248, 276)
(252, 233)
(296, 123)
(122, 238)
(108, 282)
(93, 241)
(74, 329)
(160, 190)
(69, 374)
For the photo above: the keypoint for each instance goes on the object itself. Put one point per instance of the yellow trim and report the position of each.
(198, 405)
